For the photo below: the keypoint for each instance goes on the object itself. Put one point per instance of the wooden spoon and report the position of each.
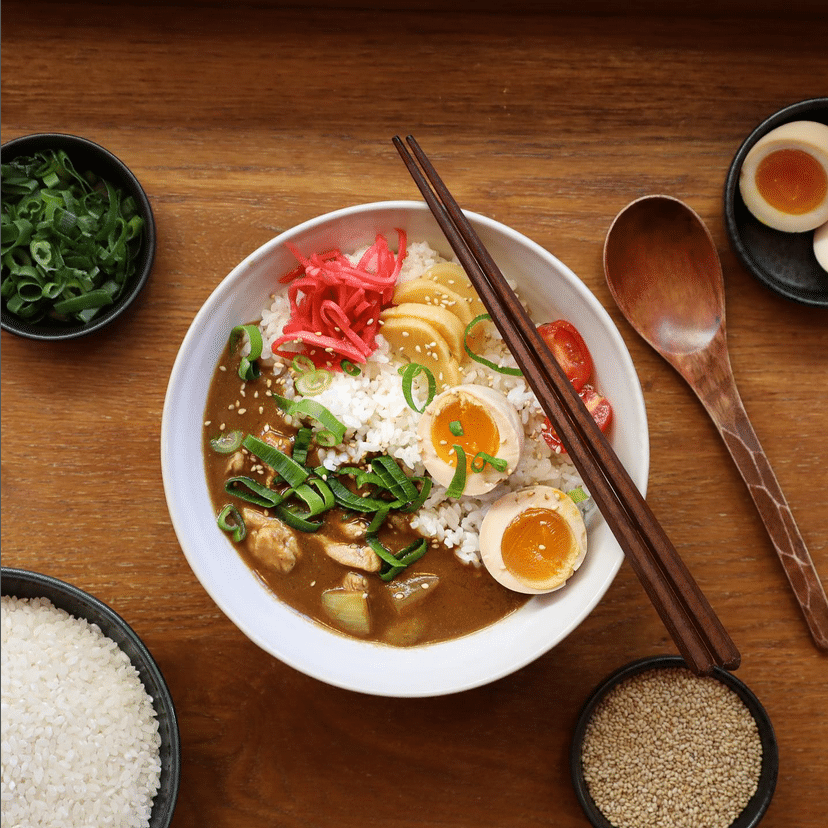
(664, 272)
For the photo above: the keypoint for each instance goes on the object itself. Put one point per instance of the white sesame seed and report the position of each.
(668, 748)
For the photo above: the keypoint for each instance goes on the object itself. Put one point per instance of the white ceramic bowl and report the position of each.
(551, 291)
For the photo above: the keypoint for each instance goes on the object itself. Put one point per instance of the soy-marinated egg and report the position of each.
(532, 540)
(479, 419)
(784, 178)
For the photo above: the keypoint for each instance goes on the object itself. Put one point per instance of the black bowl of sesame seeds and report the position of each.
(656, 745)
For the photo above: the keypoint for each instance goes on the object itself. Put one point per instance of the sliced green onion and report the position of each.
(301, 444)
(298, 520)
(350, 368)
(379, 518)
(324, 490)
(456, 428)
(394, 478)
(356, 503)
(93, 299)
(248, 367)
(313, 382)
(228, 442)
(302, 363)
(316, 495)
(424, 492)
(385, 555)
(481, 460)
(332, 431)
(388, 475)
(70, 243)
(458, 481)
(288, 469)
(393, 564)
(413, 552)
(514, 372)
(362, 477)
(327, 438)
(250, 490)
(409, 373)
(229, 520)
(578, 495)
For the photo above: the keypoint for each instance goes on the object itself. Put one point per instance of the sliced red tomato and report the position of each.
(597, 405)
(569, 349)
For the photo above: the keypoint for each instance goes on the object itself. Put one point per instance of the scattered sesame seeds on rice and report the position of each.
(378, 419)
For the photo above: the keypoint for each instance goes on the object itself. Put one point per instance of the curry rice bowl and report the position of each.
(551, 291)
(373, 407)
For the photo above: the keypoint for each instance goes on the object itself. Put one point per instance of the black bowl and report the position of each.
(784, 262)
(759, 802)
(24, 584)
(86, 155)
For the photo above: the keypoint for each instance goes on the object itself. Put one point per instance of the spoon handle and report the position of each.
(713, 382)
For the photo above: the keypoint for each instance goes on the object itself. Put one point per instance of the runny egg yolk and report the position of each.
(792, 181)
(480, 432)
(536, 544)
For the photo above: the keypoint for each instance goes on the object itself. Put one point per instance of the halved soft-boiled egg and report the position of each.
(532, 540)
(483, 423)
(784, 177)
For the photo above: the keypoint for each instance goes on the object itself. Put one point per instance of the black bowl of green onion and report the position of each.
(78, 237)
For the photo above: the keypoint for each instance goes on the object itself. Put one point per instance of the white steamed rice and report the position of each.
(378, 419)
(80, 740)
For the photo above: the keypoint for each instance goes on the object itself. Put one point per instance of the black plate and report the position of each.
(784, 262)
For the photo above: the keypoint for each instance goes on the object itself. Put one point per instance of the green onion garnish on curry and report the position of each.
(301, 495)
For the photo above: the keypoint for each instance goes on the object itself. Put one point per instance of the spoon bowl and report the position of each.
(677, 297)
(664, 273)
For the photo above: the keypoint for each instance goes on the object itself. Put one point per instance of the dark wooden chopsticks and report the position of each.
(694, 626)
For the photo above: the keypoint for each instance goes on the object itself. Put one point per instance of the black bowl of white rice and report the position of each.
(89, 730)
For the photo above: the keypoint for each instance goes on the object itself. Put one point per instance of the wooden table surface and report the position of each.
(241, 123)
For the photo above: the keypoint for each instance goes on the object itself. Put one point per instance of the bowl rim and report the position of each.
(385, 680)
(47, 586)
(760, 268)
(757, 805)
(57, 333)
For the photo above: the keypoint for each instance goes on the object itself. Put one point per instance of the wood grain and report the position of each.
(241, 123)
